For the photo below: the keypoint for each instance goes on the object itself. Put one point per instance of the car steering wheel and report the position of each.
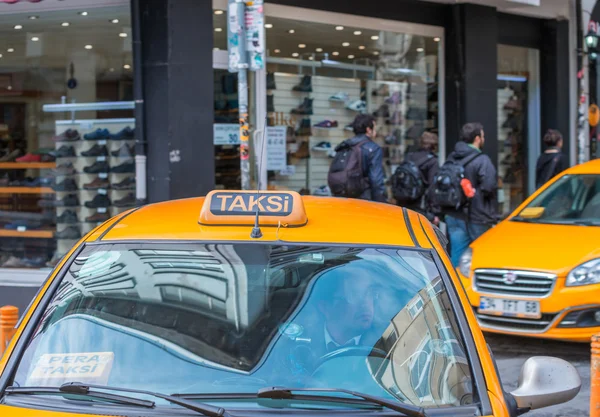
(351, 351)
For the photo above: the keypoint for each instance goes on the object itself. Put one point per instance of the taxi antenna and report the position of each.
(256, 232)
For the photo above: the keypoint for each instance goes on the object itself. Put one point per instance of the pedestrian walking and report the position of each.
(464, 191)
(415, 174)
(357, 168)
(552, 162)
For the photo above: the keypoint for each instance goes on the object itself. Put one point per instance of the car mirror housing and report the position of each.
(532, 212)
(546, 381)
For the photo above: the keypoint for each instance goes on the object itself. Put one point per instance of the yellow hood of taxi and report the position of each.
(540, 247)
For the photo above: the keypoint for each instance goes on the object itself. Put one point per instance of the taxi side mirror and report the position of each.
(546, 381)
(532, 212)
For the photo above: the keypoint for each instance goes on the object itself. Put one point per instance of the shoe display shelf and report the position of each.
(311, 166)
(109, 161)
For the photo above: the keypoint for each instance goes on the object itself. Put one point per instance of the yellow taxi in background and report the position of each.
(247, 303)
(537, 273)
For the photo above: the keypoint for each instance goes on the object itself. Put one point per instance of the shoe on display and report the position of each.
(382, 90)
(270, 103)
(395, 119)
(322, 146)
(271, 81)
(513, 104)
(305, 108)
(27, 224)
(303, 152)
(327, 124)
(65, 169)
(64, 152)
(31, 182)
(394, 137)
(340, 97)
(46, 157)
(36, 262)
(71, 232)
(124, 168)
(127, 201)
(67, 217)
(13, 262)
(305, 85)
(323, 190)
(349, 128)
(70, 200)
(97, 168)
(358, 106)
(68, 184)
(331, 153)
(98, 217)
(127, 184)
(304, 129)
(11, 156)
(30, 157)
(511, 122)
(98, 134)
(290, 135)
(69, 135)
(395, 98)
(96, 150)
(382, 111)
(126, 133)
(123, 152)
(100, 200)
(97, 183)
(415, 113)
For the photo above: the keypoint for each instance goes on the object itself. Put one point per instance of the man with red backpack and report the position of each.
(357, 168)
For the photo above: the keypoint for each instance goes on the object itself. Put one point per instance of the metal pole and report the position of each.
(138, 96)
(244, 128)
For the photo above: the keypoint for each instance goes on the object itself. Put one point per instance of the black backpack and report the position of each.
(346, 177)
(408, 184)
(446, 192)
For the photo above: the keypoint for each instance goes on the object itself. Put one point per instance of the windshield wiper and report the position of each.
(586, 223)
(280, 393)
(89, 390)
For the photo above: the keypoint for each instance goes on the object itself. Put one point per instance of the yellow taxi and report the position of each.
(537, 273)
(252, 303)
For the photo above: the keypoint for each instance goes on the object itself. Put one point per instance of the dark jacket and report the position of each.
(372, 167)
(429, 168)
(482, 174)
(549, 164)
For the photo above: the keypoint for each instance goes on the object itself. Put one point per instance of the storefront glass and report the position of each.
(319, 77)
(63, 172)
(518, 124)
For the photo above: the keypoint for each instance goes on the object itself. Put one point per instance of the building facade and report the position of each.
(111, 102)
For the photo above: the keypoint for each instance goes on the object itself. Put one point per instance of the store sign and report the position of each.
(226, 134)
(276, 155)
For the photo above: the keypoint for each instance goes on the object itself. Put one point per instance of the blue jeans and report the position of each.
(462, 234)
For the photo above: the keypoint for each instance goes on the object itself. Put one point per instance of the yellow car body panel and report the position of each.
(330, 220)
(548, 248)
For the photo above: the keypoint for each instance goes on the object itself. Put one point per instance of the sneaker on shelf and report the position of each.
(304, 129)
(67, 217)
(395, 98)
(322, 191)
(302, 152)
(124, 168)
(13, 262)
(331, 153)
(327, 124)
(123, 152)
(322, 146)
(305, 85)
(98, 217)
(68, 184)
(69, 135)
(127, 201)
(30, 157)
(513, 104)
(96, 150)
(97, 167)
(305, 108)
(98, 134)
(126, 133)
(349, 128)
(71, 232)
(97, 183)
(70, 200)
(64, 152)
(358, 106)
(27, 224)
(65, 169)
(382, 90)
(11, 156)
(127, 184)
(340, 97)
(100, 200)
(46, 157)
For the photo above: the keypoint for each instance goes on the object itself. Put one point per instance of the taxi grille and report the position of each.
(526, 284)
(515, 324)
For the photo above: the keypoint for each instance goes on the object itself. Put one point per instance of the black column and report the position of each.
(472, 62)
(555, 81)
(177, 43)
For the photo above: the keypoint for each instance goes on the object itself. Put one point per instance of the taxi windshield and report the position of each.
(235, 318)
(573, 199)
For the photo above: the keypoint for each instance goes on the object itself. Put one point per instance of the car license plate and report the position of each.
(510, 308)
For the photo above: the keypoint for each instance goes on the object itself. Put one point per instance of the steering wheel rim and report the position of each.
(351, 351)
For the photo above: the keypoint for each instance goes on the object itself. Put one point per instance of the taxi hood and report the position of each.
(535, 246)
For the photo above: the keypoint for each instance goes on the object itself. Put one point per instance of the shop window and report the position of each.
(63, 172)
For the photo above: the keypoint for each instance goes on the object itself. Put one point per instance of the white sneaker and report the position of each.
(341, 96)
(358, 106)
(322, 191)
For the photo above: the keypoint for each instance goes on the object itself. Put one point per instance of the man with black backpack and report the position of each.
(464, 190)
(357, 168)
(415, 174)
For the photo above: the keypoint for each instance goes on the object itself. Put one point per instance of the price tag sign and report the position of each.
(101, 158)
(101, 210)
(226, 134)
(102, 191)
(103, 175)
(21, 229)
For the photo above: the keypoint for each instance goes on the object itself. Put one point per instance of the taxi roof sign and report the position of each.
(239, 208)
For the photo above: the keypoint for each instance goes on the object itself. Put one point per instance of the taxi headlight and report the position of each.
(464, 264)
(585, 274)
